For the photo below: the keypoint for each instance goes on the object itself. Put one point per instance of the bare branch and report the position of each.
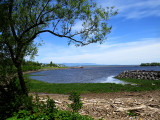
(86, 30)
(68, 29)
(56, 24)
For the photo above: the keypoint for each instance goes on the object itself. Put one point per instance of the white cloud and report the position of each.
(133, 55)
(78, 26)
(133, 9)
(144, 50)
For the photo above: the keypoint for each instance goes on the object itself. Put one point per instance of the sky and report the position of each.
(134, 38)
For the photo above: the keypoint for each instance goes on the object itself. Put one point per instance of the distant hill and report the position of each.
(78, 64)
(89, 64)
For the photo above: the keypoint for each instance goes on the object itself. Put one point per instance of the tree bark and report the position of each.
(21, 79)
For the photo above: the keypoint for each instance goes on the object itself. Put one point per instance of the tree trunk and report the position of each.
(21, 80)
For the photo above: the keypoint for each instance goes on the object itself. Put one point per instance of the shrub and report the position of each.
(12, 99)
(46, 111)
(77, 104)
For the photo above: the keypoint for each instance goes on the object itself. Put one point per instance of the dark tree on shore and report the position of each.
(23, 20)
(51, 64)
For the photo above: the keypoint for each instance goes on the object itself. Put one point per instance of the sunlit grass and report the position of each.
(142, 85)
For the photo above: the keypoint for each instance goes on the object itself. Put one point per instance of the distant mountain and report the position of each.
(78, 64)
(89, 64)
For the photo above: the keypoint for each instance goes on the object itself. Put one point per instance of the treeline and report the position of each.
(150, 64)
(51, 64)
(8, 67)
(31, 65)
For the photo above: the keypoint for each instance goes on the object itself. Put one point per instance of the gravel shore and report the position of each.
(114, 106)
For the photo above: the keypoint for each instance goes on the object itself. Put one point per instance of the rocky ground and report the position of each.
(115, 106)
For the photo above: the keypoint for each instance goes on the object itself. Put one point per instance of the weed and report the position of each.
(46, 111)
(131, 113)
(77, 104)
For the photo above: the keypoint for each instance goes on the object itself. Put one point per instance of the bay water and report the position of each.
(87, 74)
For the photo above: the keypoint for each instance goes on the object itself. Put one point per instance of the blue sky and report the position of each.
(134, 39)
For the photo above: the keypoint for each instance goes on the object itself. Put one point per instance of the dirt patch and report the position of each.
(115, 106)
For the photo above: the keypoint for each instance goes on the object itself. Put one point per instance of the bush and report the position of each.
(59, 115)
(77, 104)
(12, 99)
(15, 105)
(46, 111)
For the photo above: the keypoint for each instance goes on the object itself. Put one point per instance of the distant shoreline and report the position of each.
(75, 67)
(45, 69)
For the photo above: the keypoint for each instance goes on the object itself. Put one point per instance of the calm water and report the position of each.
(96, 74)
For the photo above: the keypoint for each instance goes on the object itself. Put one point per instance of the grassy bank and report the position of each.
(44, 68)
(142, 85)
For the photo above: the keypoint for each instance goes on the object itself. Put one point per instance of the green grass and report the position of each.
(142, 85)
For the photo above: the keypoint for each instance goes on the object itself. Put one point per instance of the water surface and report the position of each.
(88, 74)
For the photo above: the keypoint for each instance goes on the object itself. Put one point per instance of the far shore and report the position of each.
(50, 68)
(45, 69)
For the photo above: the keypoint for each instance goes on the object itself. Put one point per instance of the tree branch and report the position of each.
(56, 25)
(28, 29)
(68, 29)
(42, 11)
(69, 37)
(11, 51)
(11, 22)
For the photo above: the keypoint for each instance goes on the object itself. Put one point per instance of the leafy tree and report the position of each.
(150, 64)
(51, 64)
(23, 20)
